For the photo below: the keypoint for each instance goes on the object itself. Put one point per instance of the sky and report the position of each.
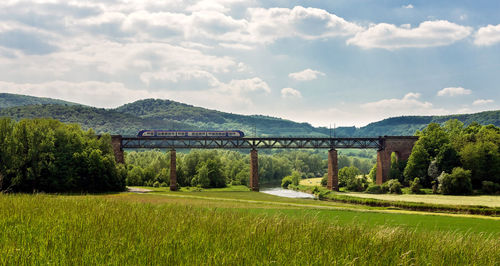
(343, 62)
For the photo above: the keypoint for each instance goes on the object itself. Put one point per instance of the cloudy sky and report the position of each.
(343, 62)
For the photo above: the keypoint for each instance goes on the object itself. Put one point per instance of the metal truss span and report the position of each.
(251, 143)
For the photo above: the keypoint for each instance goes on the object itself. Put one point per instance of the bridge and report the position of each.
(386, 145)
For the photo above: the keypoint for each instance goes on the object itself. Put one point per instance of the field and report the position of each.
(311, 182)
(483, 200)
(233, 227)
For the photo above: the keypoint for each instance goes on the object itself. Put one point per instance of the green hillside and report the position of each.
(216, 120)
(165, 114)
(11, 100)
(101, 120)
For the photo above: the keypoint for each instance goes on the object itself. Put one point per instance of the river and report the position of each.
(287, 193)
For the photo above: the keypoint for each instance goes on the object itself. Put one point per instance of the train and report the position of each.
(191, 134)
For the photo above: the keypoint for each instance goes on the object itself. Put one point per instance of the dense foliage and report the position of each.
(47, 155)
(441, 149)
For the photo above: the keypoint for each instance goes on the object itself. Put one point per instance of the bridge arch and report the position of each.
(401, 146)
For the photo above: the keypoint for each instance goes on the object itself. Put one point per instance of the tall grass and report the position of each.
(44, 229)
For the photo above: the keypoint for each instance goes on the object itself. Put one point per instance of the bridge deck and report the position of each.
(251, 143)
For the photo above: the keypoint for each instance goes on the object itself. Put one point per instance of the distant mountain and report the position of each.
(165, 114)
(407, 125)
(11, 100)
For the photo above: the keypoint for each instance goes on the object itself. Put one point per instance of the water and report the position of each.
(287, 193)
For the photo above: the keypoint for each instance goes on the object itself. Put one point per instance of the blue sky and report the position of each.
(324, 62)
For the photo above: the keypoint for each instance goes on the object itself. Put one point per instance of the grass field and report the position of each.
(232, 227)
(483, 200)
(311, 182)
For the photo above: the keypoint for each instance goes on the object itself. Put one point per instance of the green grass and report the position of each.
(483, 200)
(224, 227)
(398, 201)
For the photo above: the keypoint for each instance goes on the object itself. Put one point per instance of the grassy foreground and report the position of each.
(42, 229)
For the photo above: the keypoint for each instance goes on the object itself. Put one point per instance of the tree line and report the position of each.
(454, 159)
(45, 155)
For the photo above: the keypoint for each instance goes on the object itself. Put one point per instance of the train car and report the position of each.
(191, 134)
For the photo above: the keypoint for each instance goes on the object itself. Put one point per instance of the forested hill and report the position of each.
(164, 114)
(101, 120)
(11, 100)
(216, 120)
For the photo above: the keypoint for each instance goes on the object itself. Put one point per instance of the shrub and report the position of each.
(164, 184)
(456, 183)
(490, 187)
(156, 184)
(392, 186)
(374, 189)
(347, 174)
(357, 184)
(415, 186)
(286, 181)
(324, 180)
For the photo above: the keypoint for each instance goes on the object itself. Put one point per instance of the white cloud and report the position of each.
(482, 102)
(204, 78)
(409, 6)
(306, 74)
(290, 93)
(453, 91)
(427, 34)
(247, 85)
(267, 25)
(488, 35)
(236, 46)
(410, 104)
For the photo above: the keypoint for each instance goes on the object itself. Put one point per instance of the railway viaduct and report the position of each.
(386, 145)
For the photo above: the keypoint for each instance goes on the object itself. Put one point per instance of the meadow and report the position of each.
(233, 227)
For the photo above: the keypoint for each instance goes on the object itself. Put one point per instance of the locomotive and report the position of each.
(191, 134)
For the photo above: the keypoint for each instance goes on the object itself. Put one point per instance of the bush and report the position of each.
(357, 184)
(490, 187)
(415, 186)
(347, 174)
(324, 180)
(456, 183)
(374, 189)
(156, 184)
(286, 181)
(392, 186)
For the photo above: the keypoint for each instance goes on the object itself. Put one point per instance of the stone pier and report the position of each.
(333, 170)
(116, 143)
(173, 170)
(402, 146)
(254, 170)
